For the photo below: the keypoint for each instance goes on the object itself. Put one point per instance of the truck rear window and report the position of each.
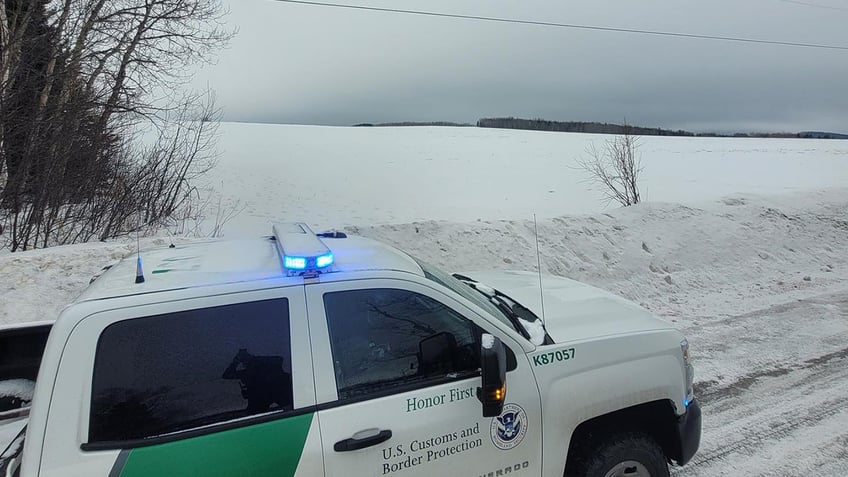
(163, 374)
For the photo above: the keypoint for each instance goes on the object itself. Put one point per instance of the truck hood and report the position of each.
(573, 311)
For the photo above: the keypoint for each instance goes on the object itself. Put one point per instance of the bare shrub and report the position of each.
(136, 191)
(78, 80)
(616, 168)
(157, 182)
(205, 216)
(224, 214)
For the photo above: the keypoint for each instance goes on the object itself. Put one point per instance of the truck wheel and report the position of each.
(625, 455)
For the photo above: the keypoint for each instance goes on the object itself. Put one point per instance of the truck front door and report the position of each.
(397, 371)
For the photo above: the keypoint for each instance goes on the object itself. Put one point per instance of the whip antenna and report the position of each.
(139, 273)
(539, 267)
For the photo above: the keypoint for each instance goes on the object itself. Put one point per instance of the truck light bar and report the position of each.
(301, 251)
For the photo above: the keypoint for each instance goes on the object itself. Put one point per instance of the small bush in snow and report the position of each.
(616, 167)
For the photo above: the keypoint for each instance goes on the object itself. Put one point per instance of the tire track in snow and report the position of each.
(752, 436)
(787, 419)
(770, 430)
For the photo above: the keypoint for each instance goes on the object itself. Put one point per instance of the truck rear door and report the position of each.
(219, 385)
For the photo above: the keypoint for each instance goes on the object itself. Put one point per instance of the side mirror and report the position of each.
(493, 372)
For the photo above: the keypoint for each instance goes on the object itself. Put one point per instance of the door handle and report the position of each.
(362, 439)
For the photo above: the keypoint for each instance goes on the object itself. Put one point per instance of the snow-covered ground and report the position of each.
(743, 245)
(334, 176)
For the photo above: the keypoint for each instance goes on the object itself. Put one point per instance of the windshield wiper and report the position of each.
(501, 302)
(515, 312)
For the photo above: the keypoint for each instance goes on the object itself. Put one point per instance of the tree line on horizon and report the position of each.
(591, 127)
(611, 128)
(576, 126)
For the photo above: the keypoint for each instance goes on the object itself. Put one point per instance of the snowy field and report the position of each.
(336, 176)
(743, 245)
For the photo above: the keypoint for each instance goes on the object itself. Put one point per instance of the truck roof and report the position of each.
(220, 262)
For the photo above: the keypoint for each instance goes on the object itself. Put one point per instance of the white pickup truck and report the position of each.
(325, 355)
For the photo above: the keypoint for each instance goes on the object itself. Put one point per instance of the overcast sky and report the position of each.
(317, 65)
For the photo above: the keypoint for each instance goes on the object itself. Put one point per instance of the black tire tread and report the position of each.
(595, 460)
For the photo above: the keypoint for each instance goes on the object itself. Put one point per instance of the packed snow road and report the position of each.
(787, 415)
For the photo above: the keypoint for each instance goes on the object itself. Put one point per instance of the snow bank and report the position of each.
(684, 262)
(36, 285)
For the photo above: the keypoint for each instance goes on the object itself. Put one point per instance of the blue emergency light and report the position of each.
(301, 251)
(294, 263)
(324, 260)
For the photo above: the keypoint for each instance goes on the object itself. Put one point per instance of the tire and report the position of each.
(623, 455)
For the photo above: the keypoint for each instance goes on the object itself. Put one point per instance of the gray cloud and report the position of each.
(302, 64)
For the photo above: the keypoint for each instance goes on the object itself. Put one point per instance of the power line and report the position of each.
(566, 25)
(816, 5)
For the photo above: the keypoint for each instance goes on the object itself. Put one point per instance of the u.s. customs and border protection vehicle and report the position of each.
(304, 355)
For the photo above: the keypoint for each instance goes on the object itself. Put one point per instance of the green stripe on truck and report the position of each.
(270, 448)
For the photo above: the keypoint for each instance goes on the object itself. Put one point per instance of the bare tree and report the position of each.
(78, 80)
(615, 167)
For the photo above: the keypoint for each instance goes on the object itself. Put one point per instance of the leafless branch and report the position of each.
(76, 85)
(616, 168)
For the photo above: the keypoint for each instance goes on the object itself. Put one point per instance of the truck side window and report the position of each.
(167, 373)
(389, 340)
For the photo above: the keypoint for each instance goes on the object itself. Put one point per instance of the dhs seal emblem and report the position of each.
(509, 428)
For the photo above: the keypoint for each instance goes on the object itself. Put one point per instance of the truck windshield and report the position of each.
(448, 281)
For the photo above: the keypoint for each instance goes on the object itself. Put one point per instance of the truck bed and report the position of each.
(21, 349)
